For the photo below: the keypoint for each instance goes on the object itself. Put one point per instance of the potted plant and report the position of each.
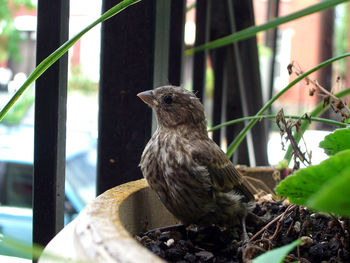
(105, 230)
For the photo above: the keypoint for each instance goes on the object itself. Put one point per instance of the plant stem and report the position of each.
(233, 146)
(273, 116)
(47, 62)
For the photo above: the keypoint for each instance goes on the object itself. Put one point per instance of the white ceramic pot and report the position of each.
(104, 230)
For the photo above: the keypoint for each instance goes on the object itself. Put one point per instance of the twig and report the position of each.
(290, 228)
(279, 223)
(290, 207)
(264, 228)
(286, 128)
(264, 240)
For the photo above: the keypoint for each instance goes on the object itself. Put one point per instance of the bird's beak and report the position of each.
(148, 97)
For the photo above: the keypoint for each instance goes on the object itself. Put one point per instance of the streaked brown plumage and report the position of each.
(189, 172)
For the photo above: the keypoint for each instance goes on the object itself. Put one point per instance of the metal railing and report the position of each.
(150, 52)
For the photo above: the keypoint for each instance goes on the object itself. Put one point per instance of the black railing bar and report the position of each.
(241, 83)
(176, 42)
(202, 36)
(50, 123)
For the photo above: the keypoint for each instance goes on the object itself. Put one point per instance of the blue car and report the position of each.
(16, 180)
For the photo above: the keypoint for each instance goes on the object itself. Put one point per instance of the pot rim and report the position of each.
(98, 235)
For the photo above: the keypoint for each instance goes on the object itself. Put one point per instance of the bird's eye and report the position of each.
(168, 99)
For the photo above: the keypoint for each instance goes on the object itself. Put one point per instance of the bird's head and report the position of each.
(175, 107)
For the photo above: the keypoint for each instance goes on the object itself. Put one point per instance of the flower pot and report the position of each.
(103, 231)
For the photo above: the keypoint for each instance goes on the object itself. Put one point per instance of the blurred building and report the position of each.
(306, 42)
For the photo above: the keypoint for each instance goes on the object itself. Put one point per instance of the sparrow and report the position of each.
(191, 175)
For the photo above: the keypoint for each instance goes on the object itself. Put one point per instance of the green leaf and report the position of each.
(337, 141)
(333, 197)
(21, 248)
(303, 184)
(276, 255)
(33, 251)
(14, 117)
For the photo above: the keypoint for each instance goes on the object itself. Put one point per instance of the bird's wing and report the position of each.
(223, 175)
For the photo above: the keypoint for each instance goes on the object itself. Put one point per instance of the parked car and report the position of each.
(16, 180)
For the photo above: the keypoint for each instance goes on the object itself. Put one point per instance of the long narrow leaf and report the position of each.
(46, 63)
(33, 251)
(273, 116)
(277, 255)
(253, 30)
(233, 146)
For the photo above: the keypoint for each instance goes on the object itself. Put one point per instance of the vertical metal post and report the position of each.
(134, 58)
(218, 59)
(161, 39)
(241, 78)
(176, 41)
(324, 76)
(50, 121)
(202, 36)
(237, 79)
(223, 75)
(249, 58)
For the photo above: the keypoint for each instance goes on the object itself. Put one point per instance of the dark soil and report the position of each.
(324, 238)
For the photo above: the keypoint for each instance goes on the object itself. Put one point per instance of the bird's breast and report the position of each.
(181, 184)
